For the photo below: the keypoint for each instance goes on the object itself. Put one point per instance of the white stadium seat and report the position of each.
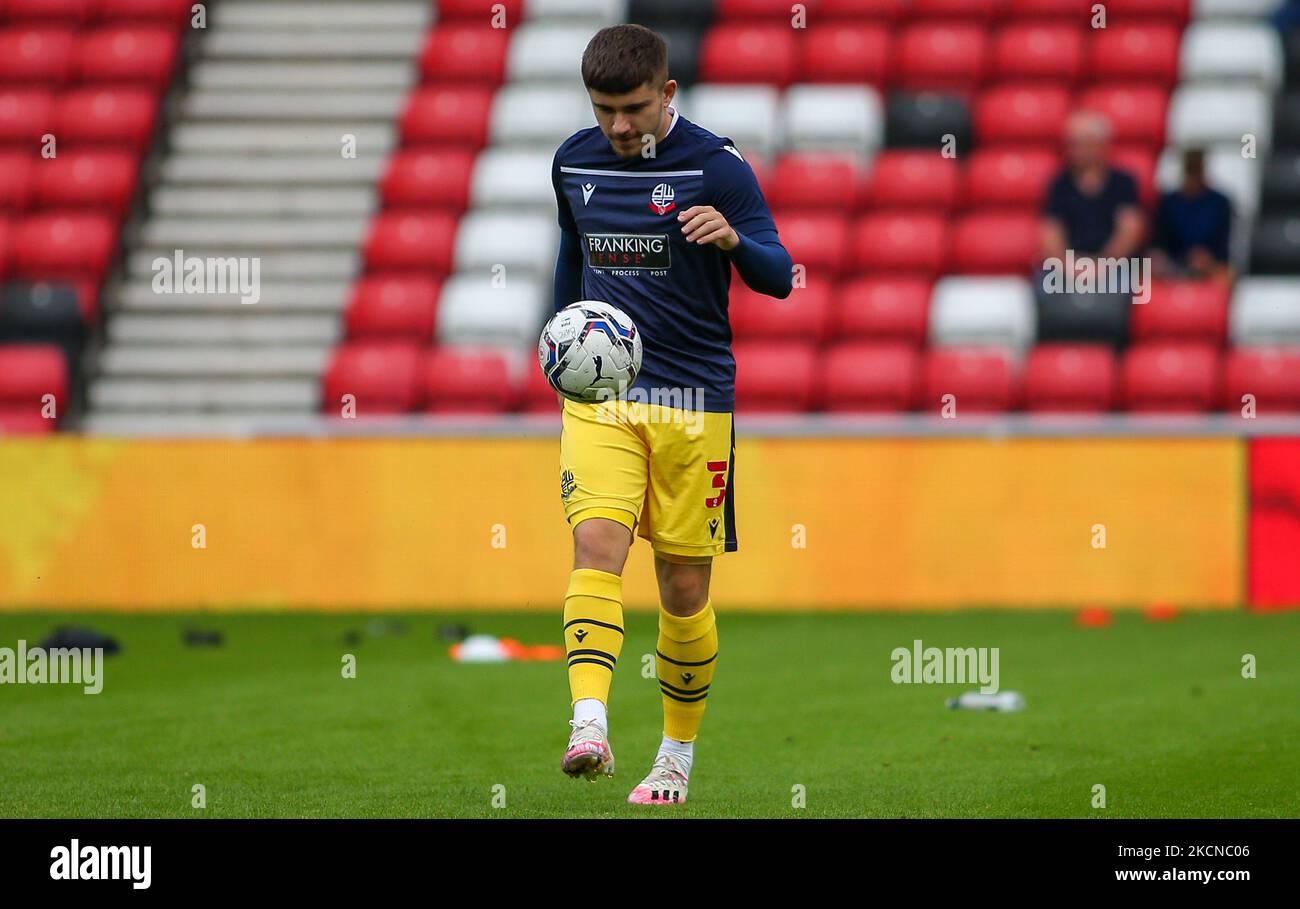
(512, 179)
(472, 311)
(1232, 51)
(1232, 9)
(1210, 114)
(991, 311)
(846, 118)
(747, 114)
(523, 243)
(1266, 310)
(594, 14)
(538, 116)
(547, 53)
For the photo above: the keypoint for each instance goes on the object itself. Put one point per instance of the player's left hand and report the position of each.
(705, 224)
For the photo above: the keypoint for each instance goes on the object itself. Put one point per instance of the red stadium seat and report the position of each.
(1039, 51)
(882, 309)
(394, 307)
(116, 116)
(1021, 114)
(1140, 162)
(900, 243)
(1130, 10)
(101, 179)
(1136, 112)
(36, 54)
(941, 57)
(162, 12)
(845, 52)
(773, 376)
(537, 396)
(965, 10)
(752, 10)
(17, 170)
(467, 381)
(447, 115)
(63, 245)
(816, 181)
(863, 376)
(981, 380)
(429, 178)
(802, 316)
(64, 12)
(764, 54)
(129, 54)
(1270, 374)
(1171, 376)
(25, 116)
(912, 179)
(29, 372)
(470, 53)
(881, 12)
(383, 377)
(7, 233)
(1076, 11)
(1182, 310)
(817, 241)
(411, 242)
(995, 243)
(1070, 378)
(481, 10)
(1008, 177)
(1135, 52)
(24, 423)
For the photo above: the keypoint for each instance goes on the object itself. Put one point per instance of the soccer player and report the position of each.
(654, 212)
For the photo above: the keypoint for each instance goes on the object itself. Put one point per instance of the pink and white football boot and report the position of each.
(664, 785)
(589, 754)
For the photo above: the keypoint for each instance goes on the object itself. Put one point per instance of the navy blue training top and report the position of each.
(1184, 222)
(1089, 220)
(621, 243)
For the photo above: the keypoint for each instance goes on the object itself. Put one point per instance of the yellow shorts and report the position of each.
(663, 472)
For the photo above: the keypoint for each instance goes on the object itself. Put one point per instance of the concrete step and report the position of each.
(275, 267)
(252, 171)
(254, 76)
(278, 297)
(311, 139)
(256, 328)
(296, 43)
(213, 362)
(257, 234)
(279, 106)
(239, 397)
(356, 203)
(307, 16)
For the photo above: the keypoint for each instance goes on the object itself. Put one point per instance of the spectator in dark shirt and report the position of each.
(1193, 224)
(1091, 207)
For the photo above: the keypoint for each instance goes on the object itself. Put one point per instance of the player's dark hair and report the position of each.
(622, 58)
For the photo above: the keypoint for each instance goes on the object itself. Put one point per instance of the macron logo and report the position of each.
(732, 149)
(587, 190)
(103, 863)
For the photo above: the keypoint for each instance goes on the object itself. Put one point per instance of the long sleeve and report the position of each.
(760, 258)
(764, 264)
(568, 269)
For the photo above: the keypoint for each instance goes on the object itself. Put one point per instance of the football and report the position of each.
(590, 351)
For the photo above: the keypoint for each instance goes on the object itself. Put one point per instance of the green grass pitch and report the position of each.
(1158, 713)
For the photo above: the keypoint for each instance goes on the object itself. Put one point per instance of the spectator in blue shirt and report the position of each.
(1193, 225)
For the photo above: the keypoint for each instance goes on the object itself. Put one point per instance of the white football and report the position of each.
(590, 351)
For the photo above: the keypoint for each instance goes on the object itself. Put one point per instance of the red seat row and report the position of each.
(78, 117)
(29, 374)
(982, 10)
(89, 12)
(943, 56)
(398, 377)
(1166, 377)
(118, 54)
(58, 246)
(98, 179)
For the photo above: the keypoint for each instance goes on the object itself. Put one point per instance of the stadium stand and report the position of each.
(904, 148)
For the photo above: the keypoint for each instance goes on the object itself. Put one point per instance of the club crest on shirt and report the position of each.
(661, 199)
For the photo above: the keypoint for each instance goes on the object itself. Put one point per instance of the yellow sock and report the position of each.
(685, 657)
(593, 631)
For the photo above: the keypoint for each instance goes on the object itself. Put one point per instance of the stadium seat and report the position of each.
(1270, 374)
(29, 372)
(745, 53)
(874, 11)
(25, 116)
(64, 12)
(1135, 52)
(882, 309)
(751, 10)
(995, 243)
(1070, 378)
(467, 381)
(980, 379)
(459, 10)
(773, 376)
(816, 240)
(43, 313)
(163, 12)
(1039, 52)
(924, 119)
(515, 179)
(936, 56)
(1182, 310)
(17, 174)
(845, 52)
(834, 117)
(1085, 317)
(537, 395)
(1232, 51)
(1135, 10)
(505, 244)
(1047, 10)
(1021, 115)
(536, 116)
(128, 55)
(1264, 311)
(1006, 177)
(447, 115)
(411, 242)
(1171, 376)
(546, 51)
(816, 181)
(864, 376)
(393, 306)
(982, 311)
(36, 54)
(473, 312)
(1275, 245)
(56, 245)
(1136, 112)
(802, 316)
(382, 377)
(96, 179)
(1139, 161)
(683, 53)
(658, 14)
(24, 423)
(109, 116)
(912, 179)
(429, 178)
(900, 243)
(747, 114)
(1209, 114)
(1281, 183)
(469, 53)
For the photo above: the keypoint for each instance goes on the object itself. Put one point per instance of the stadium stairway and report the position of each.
(274, 154)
